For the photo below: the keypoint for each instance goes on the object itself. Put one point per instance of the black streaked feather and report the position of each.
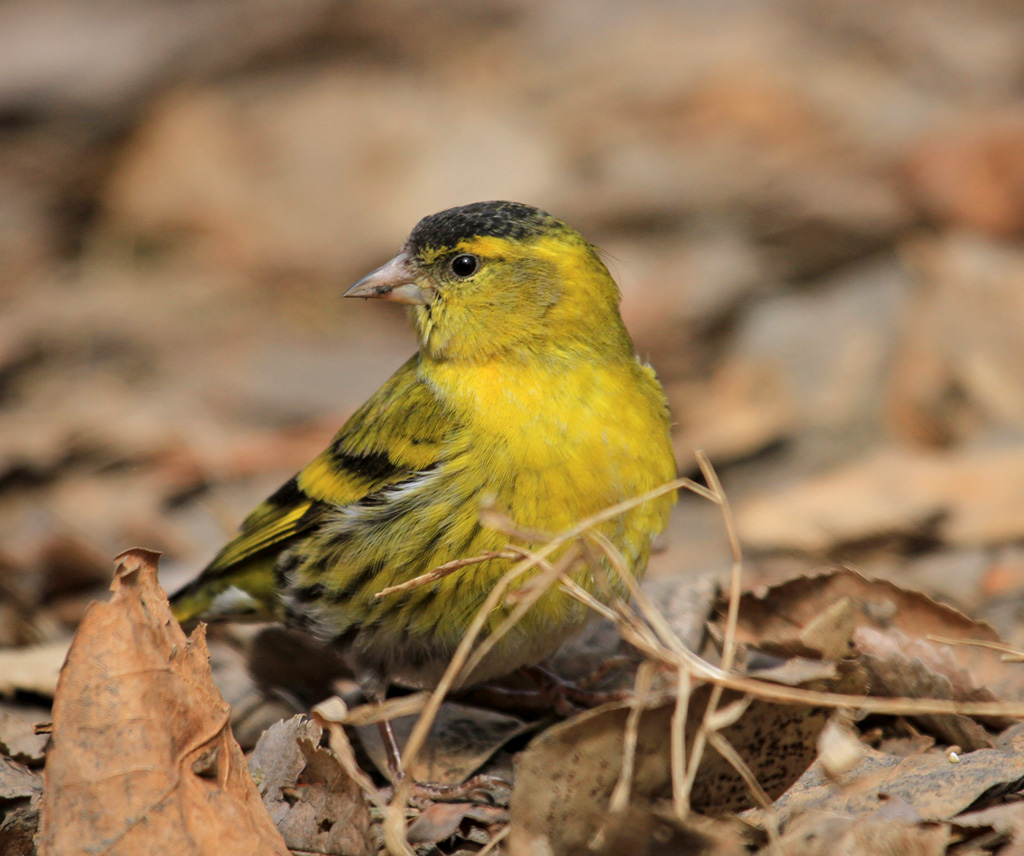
(512, 220)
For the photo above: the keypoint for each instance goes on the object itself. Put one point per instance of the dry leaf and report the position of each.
(17, 732)
(142, 759)
(17, 780)
(312, 801)
(965, 498)
(460, 741)
(889, 629)
(824, 834)
(565, 778)
(899, 666)
(442, 820)
(33, 669)
(931, 784)
(1006, 819)
(18, 832)
(742, 409)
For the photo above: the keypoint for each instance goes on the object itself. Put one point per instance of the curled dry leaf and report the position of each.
(895, 635)
(142, 758)
(311, 799)
(565, 778)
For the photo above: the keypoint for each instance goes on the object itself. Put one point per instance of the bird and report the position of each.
(526, 394)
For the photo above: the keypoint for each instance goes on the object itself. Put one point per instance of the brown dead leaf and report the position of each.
(824, 834)
(960, 366)
(18, 832)
(776, 619)
(565, 778)
(917, 668)
(142, 759)
(441, 820)
(1006, 819)
(34, 669)
(461, 739)
(655, 831)
(17, 732)
(972, 174)
(17, 780)
(744, 408)
(891, 631)
(964, 498)
(933, 785)
(312, 801)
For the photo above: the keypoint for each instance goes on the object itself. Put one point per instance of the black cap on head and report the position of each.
(512, 220)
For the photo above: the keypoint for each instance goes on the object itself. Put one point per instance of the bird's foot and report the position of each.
(567, 696)
(482, 789)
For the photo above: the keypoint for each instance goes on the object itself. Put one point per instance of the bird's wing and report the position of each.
(399, 432)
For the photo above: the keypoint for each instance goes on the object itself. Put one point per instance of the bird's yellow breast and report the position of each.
(561, 439)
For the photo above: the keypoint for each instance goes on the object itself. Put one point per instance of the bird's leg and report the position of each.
(477, 789)
(387, 736)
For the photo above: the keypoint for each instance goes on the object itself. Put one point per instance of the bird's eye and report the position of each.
(465, 264)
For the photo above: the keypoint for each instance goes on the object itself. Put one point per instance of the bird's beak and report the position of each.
(395, 281)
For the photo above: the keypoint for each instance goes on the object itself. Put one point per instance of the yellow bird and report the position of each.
(526, 393)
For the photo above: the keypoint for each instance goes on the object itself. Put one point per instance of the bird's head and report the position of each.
(496, 277)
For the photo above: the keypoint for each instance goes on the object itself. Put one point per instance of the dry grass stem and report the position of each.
(724, 748)
(677, 744)
(781, 694)
(529, 592)
(736, 576)
(1010, 654)
(492, 518)
(619, 800)
(620, 794)
(500, 836)
(550, 574)
(666, 635)
(728, 715)
(639, 635)
(643, 626)
(330, 715)
(574, 589)
(450, 568)
(394, 708)
(394, 818)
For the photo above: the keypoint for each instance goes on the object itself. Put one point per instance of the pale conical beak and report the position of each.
(395, 281)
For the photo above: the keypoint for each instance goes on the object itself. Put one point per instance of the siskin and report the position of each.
(526, 393)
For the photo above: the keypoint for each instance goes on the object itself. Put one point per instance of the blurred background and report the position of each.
(815, 211)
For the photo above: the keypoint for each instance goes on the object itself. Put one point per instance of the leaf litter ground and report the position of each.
(821, 712)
